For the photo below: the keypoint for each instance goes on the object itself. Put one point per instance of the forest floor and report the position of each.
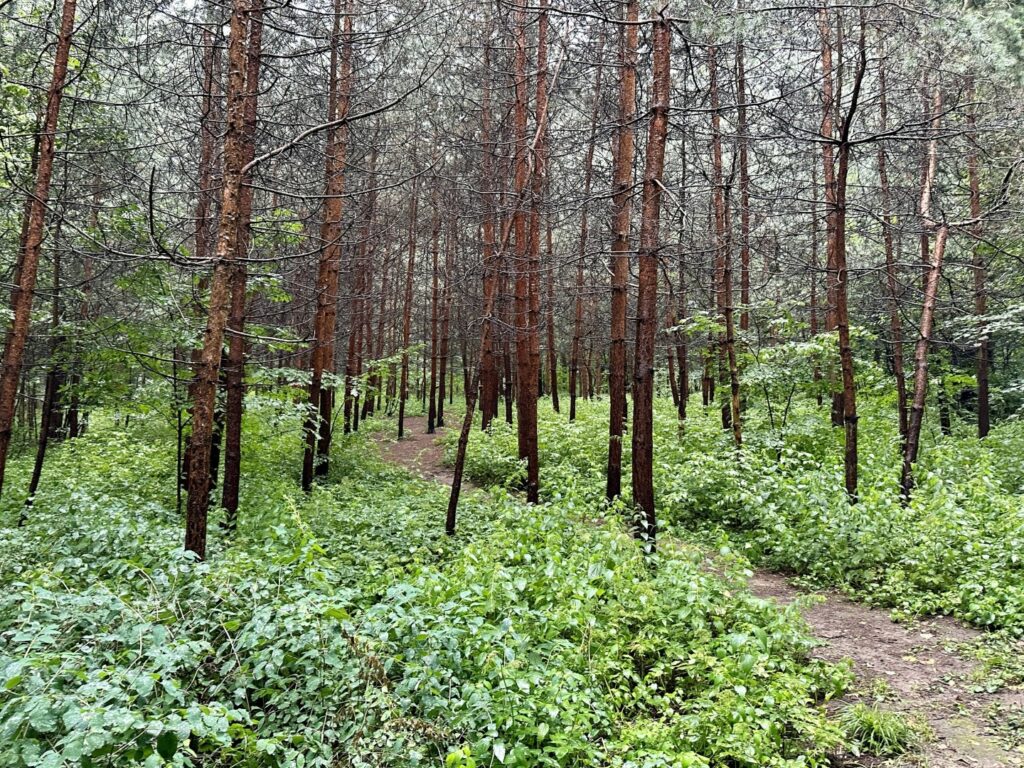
(913, 667)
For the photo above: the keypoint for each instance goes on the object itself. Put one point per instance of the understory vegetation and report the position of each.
(342, 628)
(955, 549)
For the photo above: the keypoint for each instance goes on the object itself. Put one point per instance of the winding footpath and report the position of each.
(913, 666)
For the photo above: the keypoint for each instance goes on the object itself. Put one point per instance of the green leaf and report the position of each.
(167, 744)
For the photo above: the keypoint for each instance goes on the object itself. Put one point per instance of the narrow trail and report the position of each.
(922, 675)
(417, 451)
(912, 667)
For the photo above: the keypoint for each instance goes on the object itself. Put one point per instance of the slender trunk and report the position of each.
(235, 368)
(841, 279)
(683, 387)
(910, 451)
(981, 359)
(403, 387)
(743, 140)
(588, 178)
(526, 399)
(727, 354)
(622, 173)
(24, 289)
(435, 300)
(446, 313)
(892, 282)
(207, 369)
(828, 104)
(550, 323)
(647, 296)
(321, 399)
(927, 322)
(488, 367)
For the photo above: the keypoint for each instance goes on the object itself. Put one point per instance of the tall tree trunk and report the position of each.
(550, 323)
(622, 175)
(28, 264)
(681, 311)
(647, 296)
(321, 399)
(526, 399)
(828, 105)
(841, 277)
(235, 395)
(931, 289)
(403, 387)
(488, 367)
(588, 178)
(208, 365)
(446, 314)
(723, 247)
(743, 140)
(981, 358)
(892, 282)
(435, 300)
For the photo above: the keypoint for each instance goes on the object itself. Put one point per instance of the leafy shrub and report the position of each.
(342, 627)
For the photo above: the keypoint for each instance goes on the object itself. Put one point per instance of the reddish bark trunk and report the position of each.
(927, 322)
(235, 368)
(526, 399)
(321, 399)
(207, 368)
(28, 263)
(622, 174)
(647, 296)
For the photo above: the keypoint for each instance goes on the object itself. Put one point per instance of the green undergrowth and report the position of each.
(344, 628)
(956, 549)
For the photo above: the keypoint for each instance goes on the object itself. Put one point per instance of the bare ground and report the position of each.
(922, 676)
(417, 451)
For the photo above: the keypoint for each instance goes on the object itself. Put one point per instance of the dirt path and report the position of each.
(921, 676)
(417, 451)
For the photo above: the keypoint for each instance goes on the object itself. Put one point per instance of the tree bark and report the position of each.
(727, 356)
(235, 396)
(588, 177)
(403, 387)
(828, 105)
(28, 263)
(981, 358)
(841, 276)
(647, 296)
(927, 321)
(207, 367)
(527, 385)
(550, 323)
(316, 459)
(622, 174)
(743, 140)
(892, 281)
